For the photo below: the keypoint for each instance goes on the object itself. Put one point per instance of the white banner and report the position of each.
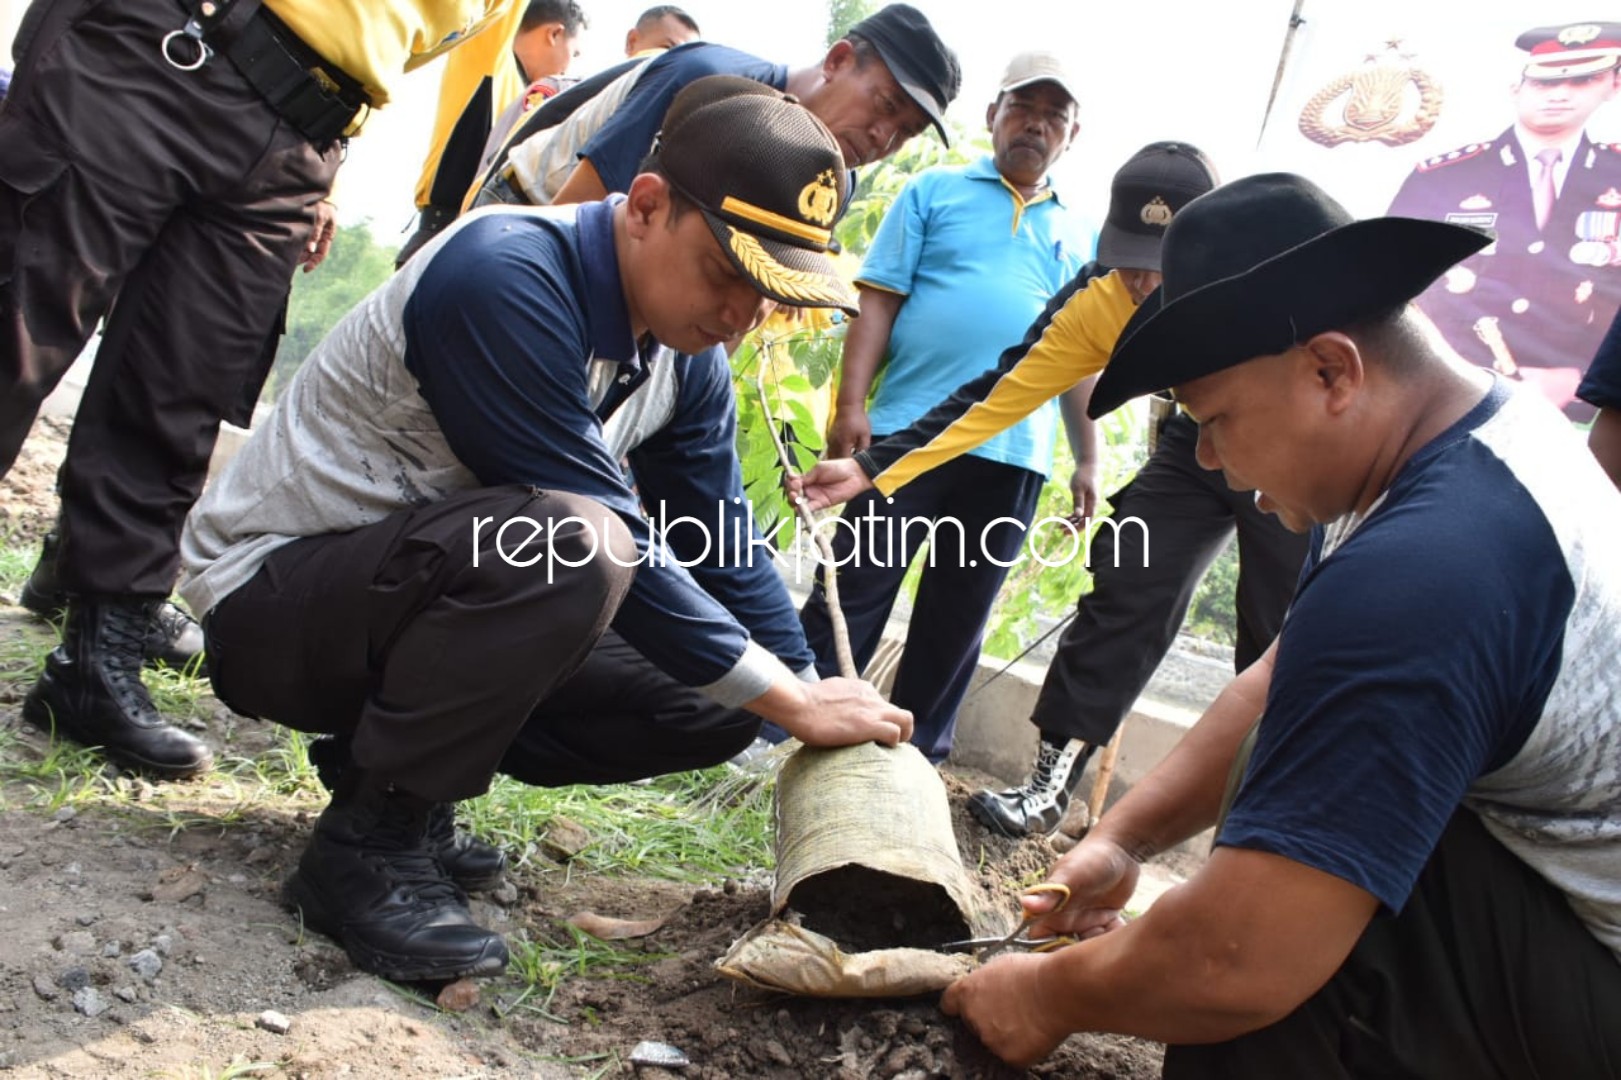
(1420, 110)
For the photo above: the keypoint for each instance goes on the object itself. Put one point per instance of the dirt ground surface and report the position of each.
(28, 491)
(145, 939)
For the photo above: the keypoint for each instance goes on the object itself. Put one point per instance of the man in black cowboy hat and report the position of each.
(1417, 790)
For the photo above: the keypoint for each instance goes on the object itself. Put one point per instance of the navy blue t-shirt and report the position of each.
(1418, 655)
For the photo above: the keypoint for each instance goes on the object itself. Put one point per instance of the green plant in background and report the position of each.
(355, 266)
(1213, 615)
(776, 380)
(1033, 588)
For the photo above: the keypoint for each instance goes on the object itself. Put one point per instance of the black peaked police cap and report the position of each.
(1261, 264)
(768, 177)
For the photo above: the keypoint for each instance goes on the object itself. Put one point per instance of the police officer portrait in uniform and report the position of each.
(1535, 304)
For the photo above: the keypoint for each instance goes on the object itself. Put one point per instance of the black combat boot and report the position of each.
(471, 863)
(174, 638)
(368, 881)
(91, 690)
(1037, 806)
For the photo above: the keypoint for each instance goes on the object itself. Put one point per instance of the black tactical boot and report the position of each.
(368, 881)
(174, 637)
(1037, 806)
(91, 691)
(471, 863)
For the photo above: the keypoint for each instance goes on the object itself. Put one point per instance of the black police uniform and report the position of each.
(1553, 291)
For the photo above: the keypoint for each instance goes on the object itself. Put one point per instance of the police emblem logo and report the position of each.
(1156, 212)
(1610, 200)
(819, 199)
(1475, 202)
(1580, 34)
(1375, 98)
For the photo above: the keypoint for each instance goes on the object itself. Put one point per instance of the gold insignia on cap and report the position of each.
(1375, 98)
(759, 215)
(800, 286)
(1580, 34)
(1156, 212)
(1610, 200)
(819, 199)
(1475, 202)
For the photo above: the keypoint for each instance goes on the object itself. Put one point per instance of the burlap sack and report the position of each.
(869, 881)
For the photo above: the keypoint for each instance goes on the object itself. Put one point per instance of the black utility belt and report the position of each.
(317, 98)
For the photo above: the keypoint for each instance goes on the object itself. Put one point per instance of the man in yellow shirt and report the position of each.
(179, 218)
(510, 68)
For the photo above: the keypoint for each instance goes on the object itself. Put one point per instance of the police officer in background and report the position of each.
(1535, 304)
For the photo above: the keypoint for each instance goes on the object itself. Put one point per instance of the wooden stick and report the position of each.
(1100, 786)
(824, 547)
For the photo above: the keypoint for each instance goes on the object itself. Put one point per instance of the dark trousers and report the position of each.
(389, 633)
(954, 596)
(175, 204)
(1486, 974)
(619, 718)
(1126, 624)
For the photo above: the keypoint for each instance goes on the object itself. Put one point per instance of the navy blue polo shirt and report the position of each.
(501, 332)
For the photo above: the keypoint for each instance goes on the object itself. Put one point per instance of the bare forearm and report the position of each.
(865, 343)
(1181, 796)
(1081, 429)
(583, 185)
(1240, 946)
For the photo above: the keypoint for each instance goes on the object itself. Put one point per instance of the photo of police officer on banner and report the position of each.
(1535, 304)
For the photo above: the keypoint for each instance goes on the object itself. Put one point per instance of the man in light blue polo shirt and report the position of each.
(963, 263)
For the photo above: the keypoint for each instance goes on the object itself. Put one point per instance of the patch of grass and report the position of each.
(66, 775)
(693, 826)
(543, 965)
(16, 563)
(283, 769)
